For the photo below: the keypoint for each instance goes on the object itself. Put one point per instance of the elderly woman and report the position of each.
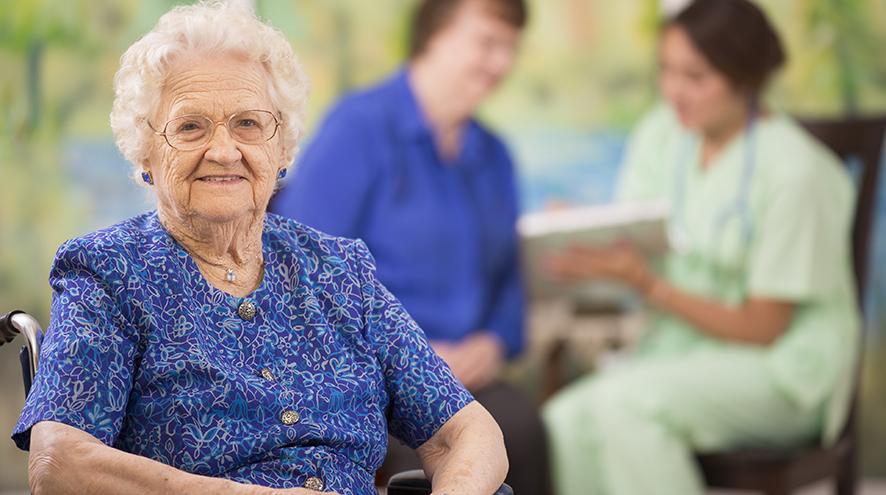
(209, 347)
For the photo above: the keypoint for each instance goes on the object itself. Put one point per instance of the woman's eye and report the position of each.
(247, 123)
(189, 127)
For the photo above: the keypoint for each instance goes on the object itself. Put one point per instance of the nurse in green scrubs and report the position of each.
(753, 334)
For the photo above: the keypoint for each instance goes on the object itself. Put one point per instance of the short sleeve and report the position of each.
(86, 359)
(644, 170)
(802, 239)
(422, 390)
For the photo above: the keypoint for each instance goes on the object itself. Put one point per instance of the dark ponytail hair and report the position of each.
(736, 38)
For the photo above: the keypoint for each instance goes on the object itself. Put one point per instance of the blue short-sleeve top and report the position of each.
(142, 353)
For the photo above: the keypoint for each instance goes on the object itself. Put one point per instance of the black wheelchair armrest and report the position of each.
(24, 358)
(415, 483)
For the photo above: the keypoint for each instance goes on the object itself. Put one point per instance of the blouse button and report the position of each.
(314, 483)
(289, 417)
(267, 375)
(246, 310)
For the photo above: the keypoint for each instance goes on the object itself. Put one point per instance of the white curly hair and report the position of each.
(209, 27)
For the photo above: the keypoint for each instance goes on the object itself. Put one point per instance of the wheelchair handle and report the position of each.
(8, 331)
(18, 322)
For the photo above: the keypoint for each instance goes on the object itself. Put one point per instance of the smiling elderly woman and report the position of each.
(209, 347)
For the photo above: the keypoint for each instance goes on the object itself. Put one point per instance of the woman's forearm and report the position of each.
(758, 321)
(66, 460)
(467, 456)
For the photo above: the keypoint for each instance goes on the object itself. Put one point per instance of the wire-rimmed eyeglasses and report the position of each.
(190, 132)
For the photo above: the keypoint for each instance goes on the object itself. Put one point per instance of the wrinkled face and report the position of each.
(702, 96)
(476, 50)
(224, 179)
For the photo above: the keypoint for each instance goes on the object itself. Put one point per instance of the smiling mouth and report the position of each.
(221, 179)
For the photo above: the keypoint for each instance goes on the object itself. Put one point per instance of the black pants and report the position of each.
(525, 440)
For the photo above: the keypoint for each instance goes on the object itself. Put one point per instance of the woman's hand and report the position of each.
(476, 361)
(260, 490)
(757, 321)
(620, 262)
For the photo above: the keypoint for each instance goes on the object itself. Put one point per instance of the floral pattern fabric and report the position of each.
(142, 353)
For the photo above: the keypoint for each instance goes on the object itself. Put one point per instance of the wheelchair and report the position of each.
(18, 322)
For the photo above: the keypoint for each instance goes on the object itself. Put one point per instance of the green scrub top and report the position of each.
(790, 242)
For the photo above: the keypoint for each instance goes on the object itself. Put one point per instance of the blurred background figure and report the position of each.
(406, 167)
(757, 288)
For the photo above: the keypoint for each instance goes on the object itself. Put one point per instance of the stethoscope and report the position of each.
(678, 235)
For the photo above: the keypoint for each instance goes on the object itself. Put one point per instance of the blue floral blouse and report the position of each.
(294, 385)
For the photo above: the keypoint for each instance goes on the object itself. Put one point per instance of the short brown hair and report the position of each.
(433, 15)
(736, 38)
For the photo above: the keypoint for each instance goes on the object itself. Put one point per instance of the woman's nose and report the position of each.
(222, 148)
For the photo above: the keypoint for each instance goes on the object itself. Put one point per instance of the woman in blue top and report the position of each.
(405, 167)
(210, 348)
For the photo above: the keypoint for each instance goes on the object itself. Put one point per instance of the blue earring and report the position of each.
(282, 173)
(146, 176)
